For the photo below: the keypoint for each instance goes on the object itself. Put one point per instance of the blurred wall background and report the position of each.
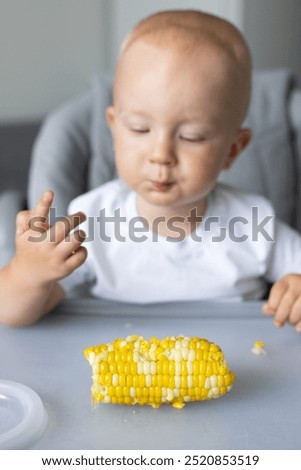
(50, 49)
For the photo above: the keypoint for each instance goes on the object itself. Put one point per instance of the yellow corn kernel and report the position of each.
(173, 370)
(258, 348)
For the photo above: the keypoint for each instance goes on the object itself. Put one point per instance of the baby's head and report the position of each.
(181, 92)
(195, 34)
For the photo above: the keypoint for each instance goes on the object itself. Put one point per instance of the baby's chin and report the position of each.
(161, 198)
(168, 204)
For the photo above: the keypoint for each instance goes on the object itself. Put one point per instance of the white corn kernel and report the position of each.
(115, 380)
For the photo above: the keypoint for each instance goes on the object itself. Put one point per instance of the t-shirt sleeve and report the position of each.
(285, 254)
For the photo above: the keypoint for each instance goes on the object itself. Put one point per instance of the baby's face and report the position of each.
(173, 124)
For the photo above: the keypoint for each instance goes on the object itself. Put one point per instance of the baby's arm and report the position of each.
(44, 255)
(284, 301)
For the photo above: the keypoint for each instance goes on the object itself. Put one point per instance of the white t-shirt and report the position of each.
(238, 245)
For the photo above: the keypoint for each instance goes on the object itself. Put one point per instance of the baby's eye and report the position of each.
(192, 138)
(139, 130)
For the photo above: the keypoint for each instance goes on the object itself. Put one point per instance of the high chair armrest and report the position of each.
(295, 118)
(11, 202)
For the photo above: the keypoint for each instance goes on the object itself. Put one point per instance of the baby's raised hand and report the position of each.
(284, 301)
(45, 254)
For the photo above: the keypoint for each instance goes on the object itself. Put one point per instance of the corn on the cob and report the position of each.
(173, 370)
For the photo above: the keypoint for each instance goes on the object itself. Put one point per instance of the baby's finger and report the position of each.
(22, 222)
(298, 327)
(61, 229)
(71, 244)
(295, 315)
(284, 308)
(267, 310)
(277, 292)
(43, 205)
(76, 259)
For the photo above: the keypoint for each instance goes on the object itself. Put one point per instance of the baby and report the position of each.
(165, 230)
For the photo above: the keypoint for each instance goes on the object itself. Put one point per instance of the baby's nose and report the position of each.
(163, 152)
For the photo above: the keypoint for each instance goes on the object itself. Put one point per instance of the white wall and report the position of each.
(48, 50)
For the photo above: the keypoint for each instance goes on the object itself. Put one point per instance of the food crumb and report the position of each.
(258, 348)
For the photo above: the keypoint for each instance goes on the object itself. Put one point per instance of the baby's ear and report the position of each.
(110, 116)
(243, 139)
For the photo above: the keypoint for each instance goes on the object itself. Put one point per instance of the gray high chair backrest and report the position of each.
(74, 152)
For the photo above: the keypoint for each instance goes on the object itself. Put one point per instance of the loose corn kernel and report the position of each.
(258, 348)
(172, 370)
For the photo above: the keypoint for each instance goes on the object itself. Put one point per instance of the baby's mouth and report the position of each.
(162, 186)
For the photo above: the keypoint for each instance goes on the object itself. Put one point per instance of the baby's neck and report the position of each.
(170, 221)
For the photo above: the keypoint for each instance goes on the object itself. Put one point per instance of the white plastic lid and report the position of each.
(22, 416)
